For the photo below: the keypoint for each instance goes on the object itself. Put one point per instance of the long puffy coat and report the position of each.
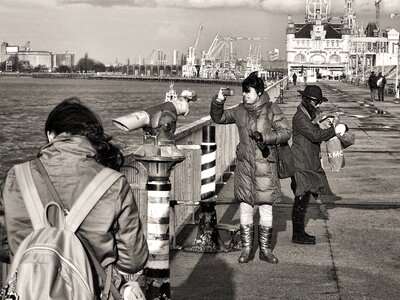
(112, 228)
(306, 148)
(256, 179)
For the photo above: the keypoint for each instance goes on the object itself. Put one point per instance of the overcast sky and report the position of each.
(115, 30)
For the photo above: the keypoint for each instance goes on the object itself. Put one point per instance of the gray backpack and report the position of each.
(52, 262)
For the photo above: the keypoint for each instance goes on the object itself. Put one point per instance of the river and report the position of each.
(25, 103)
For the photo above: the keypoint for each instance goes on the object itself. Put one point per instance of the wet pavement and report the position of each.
(357, 252)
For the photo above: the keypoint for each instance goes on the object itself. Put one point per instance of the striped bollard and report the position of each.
(157, 269)
(158, 187)
(207, 239)
(208, 162)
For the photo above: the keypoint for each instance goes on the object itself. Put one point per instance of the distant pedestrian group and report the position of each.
(377, 85)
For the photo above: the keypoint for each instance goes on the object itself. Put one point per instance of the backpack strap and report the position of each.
(30, 194)
(79, 211)
(50, 185)
(89, 197)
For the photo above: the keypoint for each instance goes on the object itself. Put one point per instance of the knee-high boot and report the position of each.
(247, 238)
(298, 214)
(264, 241)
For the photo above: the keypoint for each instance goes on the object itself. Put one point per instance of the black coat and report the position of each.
(307, 138)
(372, 82)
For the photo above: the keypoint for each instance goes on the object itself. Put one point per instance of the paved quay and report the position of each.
(357, 252)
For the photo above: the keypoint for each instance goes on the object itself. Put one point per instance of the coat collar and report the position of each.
(304, 110)
(73, 144)
(255, 109)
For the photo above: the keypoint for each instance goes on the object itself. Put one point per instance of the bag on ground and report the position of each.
(51, 262)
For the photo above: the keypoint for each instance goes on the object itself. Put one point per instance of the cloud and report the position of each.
(286, 7)
(275, 6)
(108, 3)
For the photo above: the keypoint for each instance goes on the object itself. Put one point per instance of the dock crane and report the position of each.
(150, 58)
(230, 55)
(189, 70)
(377, 11)
(191, 59)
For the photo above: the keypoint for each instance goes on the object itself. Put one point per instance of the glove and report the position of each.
(257, 136)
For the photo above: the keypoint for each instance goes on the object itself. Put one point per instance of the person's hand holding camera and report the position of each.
(221, 98)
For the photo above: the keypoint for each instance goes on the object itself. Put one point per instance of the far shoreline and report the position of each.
(100, 76)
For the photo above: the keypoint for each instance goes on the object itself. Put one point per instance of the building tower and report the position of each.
(349, 16)
(320, 7)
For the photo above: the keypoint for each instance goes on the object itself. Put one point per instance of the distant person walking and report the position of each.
(294, 77)
(381, 82)
(373, 86)
(261, 124)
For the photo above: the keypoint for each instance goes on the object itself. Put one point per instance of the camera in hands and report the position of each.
(228, 91)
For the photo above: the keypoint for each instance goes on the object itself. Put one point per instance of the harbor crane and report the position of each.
(230, 53)
(215, 48)
(189, 70)
(151, 57)
(377, 11)
(221, 57)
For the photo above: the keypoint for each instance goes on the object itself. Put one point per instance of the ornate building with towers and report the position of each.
(327, 47)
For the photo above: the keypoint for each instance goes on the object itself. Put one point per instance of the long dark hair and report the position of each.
(73, 117)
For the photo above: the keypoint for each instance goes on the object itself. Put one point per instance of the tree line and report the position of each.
(84, 65)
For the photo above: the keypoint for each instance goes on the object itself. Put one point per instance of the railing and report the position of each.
(186, 176)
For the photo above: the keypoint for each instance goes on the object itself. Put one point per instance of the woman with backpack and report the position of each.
(77, 151)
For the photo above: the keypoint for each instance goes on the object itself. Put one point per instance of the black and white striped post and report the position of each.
(157, 270)
(158, 187)
(208, 162)
(159, 155)
(207, 239)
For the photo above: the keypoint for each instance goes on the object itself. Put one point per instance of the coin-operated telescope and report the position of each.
(159, 155)
(159, 125)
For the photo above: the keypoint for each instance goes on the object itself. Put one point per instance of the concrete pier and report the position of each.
(357, 251)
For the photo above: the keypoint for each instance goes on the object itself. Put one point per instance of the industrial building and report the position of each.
(35, 58)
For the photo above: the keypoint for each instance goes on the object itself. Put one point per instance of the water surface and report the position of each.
(25, 103)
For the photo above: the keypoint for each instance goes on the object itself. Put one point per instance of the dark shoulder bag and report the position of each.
(284, 159)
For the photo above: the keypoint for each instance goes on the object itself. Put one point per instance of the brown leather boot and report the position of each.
(247, 238)
(264, 241)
